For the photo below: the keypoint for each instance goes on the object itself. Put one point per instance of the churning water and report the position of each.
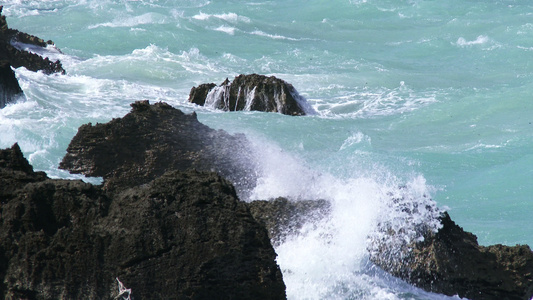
(434, 96)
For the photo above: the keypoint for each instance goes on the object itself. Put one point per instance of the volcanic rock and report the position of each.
(184, 235)
(154, 139)
(451, 262)
(9, 86)
(252, 93)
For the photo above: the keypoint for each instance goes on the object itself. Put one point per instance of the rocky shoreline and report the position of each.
(169, 220)
(168, 230)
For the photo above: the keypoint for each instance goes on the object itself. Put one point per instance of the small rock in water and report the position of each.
(252, 93)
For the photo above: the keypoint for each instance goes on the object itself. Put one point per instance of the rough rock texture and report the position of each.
(284, 218)
(251, 92)
(184, 235)
(20, 58)
(9, 86)
(154, 139)
(10, 56)
(451, 262)
(199, 93)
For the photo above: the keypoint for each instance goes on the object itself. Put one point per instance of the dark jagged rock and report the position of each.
(451, 262)
(154, 139)
(251, 93)
(9, 86)
(10, 56)
(284, 218)
(199, 93)
(14, 160)
(20, 58)
(184, 235)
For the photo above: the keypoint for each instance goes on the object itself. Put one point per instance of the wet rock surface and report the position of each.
(283, 217)
(184, 235)
(10, 56)
(451, 262)
(21, 58)
(154, 139)
(9, 86)
(251, 92)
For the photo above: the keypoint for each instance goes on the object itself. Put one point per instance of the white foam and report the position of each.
(226, 29)
(354, 139)
(366, 103)
(229, 17)
(481, 39)
(272, 36)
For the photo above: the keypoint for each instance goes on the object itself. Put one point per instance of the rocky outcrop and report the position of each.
(184, 235)
(10, 56)
(21, 58)
(9, 86)
(451, 262)
(154, 139)
(252, 93)
(283, 217)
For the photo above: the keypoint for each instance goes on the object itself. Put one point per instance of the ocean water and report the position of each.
(434, 96)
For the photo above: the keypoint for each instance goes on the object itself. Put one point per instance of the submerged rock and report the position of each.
(9, 86)
(154, 139)
(451, 262)
(252, 93)
(184, 235)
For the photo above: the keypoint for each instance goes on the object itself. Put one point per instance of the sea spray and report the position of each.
(328, 257)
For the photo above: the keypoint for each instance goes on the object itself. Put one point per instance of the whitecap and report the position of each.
(482, 39)
(272, 36)
(226, 29)
(229, 17)
(366, 103)
(147, 18)
(354, 139)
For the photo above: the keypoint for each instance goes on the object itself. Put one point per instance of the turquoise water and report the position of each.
(433, 95)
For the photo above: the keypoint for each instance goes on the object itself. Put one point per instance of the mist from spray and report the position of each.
(329, 257)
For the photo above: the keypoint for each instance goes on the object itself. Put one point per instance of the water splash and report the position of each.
(329, 257)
